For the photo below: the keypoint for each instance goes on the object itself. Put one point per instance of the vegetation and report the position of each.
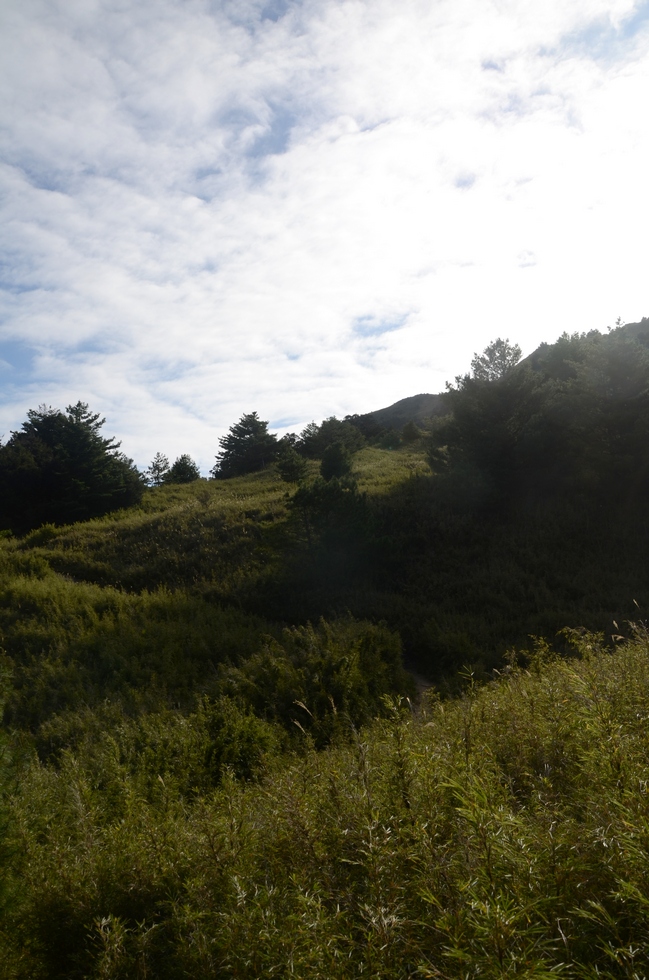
(214, 762)
(58, 468)
(184, 470)
(247, 447)
(316, 439)
(157, 470)
(336, 461)
(502, 834)
(291, 466)
(497, 360)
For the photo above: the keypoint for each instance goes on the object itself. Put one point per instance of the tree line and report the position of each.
(570, 420)
(58, 467)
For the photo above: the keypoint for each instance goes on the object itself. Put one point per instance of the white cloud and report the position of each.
(205, 200)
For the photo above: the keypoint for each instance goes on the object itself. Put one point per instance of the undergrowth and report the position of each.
(504, 833)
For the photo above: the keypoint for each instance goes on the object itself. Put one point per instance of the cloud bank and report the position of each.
(306, 208)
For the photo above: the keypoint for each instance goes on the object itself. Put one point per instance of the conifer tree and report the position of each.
(184, 470)
(158, 469)
(291, 466)
(58, 468)
(247, 447)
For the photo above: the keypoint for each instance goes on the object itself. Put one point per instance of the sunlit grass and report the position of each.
(155, 596)
(501, 834)
(380, 470)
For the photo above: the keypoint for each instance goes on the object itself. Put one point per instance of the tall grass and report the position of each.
(459, 584)
(504, 833)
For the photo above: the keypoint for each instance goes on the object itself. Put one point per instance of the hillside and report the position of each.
(416, 408)
(207, 731)
(533, 519)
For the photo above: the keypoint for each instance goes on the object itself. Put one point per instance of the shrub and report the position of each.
(290, 465)
(336, 461)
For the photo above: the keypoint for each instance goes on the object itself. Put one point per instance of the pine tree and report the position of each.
(58, 468)
(497, 359)
(247, 447)
(158, 469)
(291, 466)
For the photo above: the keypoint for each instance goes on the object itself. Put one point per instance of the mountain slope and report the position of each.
(416, 408)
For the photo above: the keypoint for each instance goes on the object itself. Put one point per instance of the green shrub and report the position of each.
(326, 680)
(336, 462)
(503, 833)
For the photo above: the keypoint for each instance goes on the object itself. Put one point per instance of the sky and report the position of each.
(307, 208)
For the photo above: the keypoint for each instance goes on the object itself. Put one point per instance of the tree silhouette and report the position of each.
(497, 359)
(247, 447)
(314, 439)
(59, 469)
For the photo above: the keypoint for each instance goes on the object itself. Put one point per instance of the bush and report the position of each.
(325, 680)
(290, 465)
(410, 433)
(336, 461)
(500, 834)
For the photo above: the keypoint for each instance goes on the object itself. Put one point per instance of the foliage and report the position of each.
(330, 504)
(336, 461)
(389, 439)
(157, 470)
(459, 583)
(410, 433)
(6, 780)
(327, 680)
(500, 834)
(367, 425)
(497, 360)
(58, 468)
(573, 421)
(184, 470)
(69, 644)
(315, 439)
(247, 447)
(290, 465)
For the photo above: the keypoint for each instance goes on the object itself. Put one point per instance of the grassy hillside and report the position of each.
(149, 604)
(213, 763)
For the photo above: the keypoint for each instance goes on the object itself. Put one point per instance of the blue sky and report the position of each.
(306, 207)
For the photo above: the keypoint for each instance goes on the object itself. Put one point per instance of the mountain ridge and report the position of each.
(415, 408)
(425, 405)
